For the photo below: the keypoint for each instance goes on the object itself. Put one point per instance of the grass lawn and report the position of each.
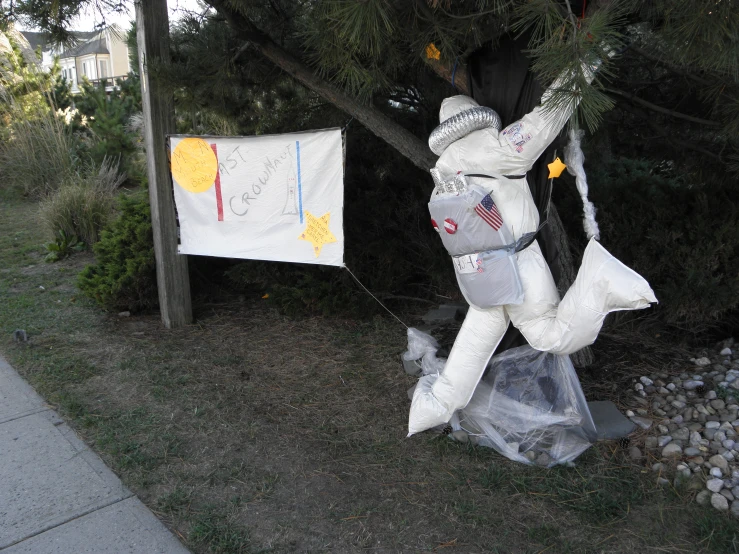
(252, 432)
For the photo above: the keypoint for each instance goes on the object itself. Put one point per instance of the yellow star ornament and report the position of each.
(317, 231)
(556, 168)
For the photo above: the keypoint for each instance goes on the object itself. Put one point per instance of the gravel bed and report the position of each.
(692, 426)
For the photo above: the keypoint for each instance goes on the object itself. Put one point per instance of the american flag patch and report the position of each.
(487, 210)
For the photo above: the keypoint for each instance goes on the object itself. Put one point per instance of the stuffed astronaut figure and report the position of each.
(485, 214)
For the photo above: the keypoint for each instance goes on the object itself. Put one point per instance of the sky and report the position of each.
(89, 19)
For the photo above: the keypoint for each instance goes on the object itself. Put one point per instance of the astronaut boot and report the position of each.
(603, 285)
(437, 397)
(613, 286)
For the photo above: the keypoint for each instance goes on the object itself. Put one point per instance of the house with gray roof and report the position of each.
(95, 56)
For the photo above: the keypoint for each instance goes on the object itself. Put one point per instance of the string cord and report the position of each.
(373, 296)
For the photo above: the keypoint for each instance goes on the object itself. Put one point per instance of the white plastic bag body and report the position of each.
(603, 284)
(529, 401)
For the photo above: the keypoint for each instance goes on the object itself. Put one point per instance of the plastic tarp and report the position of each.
(529, 401)
(269, 197)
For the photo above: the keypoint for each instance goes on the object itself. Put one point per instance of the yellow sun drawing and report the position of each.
(194, 165)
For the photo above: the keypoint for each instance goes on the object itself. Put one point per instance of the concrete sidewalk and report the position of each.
(56, 495)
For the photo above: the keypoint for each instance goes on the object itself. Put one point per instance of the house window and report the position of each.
(84, 69)
(103, 69)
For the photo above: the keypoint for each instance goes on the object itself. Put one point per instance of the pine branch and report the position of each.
(669, 137)
(405, 142)
(654, 107)
(668, 65)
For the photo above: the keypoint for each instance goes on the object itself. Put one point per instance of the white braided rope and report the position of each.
(574, 158)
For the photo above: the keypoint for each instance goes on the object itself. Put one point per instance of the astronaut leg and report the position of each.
(436, 398)
(603, 285)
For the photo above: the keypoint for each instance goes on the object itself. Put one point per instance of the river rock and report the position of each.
(681, 434)
(719, 462)
(672, 451)
(715, 485)
(643, 422)
(719, 502)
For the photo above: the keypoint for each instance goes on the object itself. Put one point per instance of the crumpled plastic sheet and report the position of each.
(423, 347)
(528, 401)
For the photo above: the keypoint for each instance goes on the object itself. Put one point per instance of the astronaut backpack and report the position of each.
(480, 243)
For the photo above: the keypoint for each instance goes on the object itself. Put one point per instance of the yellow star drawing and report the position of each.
(317, 231)
(556, 168)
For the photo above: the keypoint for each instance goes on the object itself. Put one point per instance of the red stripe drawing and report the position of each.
(219, 198)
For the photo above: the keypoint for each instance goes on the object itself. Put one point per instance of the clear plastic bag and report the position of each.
(529, 405)
(529, 401)
(421, 353)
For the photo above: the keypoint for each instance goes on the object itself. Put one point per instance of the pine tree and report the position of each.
(365, 56)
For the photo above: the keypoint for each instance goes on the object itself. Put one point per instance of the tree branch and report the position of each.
(671, 67)
(670, 138)
(654, 107)
(405, 142)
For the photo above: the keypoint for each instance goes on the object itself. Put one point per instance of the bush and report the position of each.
(124, 275)
(39, 156)
(82, 205)
(681, 237)
(107, 122)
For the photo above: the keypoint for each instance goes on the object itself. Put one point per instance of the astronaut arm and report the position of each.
(528, 137)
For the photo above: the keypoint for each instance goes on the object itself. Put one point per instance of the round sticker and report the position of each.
(450, 226)
(194, 165)
(436, 225)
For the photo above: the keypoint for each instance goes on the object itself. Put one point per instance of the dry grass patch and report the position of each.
(250, 431)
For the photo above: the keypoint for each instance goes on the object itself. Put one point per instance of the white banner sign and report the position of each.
(275, 197)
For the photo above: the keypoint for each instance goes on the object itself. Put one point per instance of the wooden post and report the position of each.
(173, 281)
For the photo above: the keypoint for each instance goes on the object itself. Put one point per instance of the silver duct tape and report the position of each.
(436, 176)
(458, 184)
(462, 125)
(455, 185)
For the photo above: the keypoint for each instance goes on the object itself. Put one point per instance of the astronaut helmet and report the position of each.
(459, 116)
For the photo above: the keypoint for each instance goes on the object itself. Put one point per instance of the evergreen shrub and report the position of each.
(124, 274)
(105, 119)
(682, 237)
